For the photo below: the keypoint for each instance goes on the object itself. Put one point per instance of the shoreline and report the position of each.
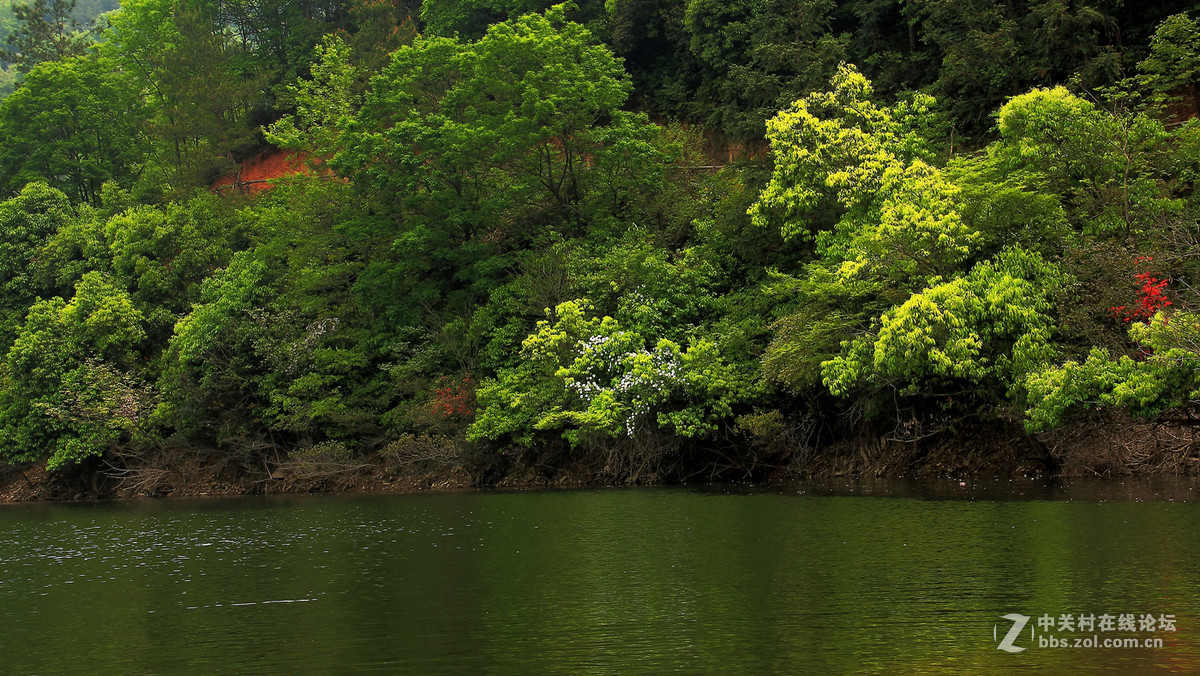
(1106, 444)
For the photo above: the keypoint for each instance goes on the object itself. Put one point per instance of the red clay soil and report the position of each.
(254, 174)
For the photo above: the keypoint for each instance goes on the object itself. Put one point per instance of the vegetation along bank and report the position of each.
(388, 245)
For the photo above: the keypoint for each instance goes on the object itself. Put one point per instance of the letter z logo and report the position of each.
(1019, 622)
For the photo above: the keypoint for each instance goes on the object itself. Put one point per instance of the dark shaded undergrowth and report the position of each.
(1106, 444)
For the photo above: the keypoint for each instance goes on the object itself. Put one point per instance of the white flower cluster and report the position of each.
(641, 387)
(588, 388)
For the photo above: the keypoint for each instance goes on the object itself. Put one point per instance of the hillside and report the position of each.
(600, 242)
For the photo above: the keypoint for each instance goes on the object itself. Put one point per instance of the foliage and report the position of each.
(70, 381)
(200, 94)
(983, 253)
(1163, 375)
(45, 31)
(1151, 299)
(989, 328)
(27, 221)
(474, 152)
(855, 179)
(213, 366)
(74, 124)
(1101, 163)
(470, 19)
(992, 50)
(163, 255)
(474, 132)
(590, 378)
(322, 103)
(264, 353)
(756, 57)
(1172, 70)
(1008, 206)
(832, 153)
(8, 80)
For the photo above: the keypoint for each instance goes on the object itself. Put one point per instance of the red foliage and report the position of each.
(1151, 297)
(454, 398)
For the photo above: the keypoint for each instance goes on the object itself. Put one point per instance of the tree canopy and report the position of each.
(649, 237)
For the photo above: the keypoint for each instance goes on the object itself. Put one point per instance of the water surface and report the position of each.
(830, 578)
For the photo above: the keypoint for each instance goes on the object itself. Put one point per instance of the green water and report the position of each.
(896, 578)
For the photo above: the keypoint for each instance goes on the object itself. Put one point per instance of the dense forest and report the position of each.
(637, 240)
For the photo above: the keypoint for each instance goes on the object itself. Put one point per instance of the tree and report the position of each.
(832, 151)
(989, 328)
(1162, 376)
(991, 50)
(854, 180)
(1101, 163)
(8, 80)
(163, 255)
(275, 351)
(70, 387)
(74, 124)
(592, 379)
(884, 42)
(201, 100)
(1172, 70)
(470, 19)
(520, 117)
(323, 103)
(471, 152)
(27, 222)
(45, 31)
(756, 57)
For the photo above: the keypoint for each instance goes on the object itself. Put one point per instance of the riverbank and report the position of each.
(1103, 444)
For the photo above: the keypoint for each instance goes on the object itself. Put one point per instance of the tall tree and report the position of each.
(993, 49)
(756, 57)
(73, 124)
(202, 103)
(45, 31)
(481, 146)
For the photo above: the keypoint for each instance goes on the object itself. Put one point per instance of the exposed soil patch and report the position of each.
(255, 174)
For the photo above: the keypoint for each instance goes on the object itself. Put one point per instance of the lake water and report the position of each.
(837, 578)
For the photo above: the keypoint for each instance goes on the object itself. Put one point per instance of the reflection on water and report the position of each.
(822, 578)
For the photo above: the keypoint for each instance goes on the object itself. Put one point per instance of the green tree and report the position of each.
(832, 151)
(884, 41)
(27, 222)
(45, 31)
(8, 80)
(1103, 164)
(592, 379)
(212, 375)
(990, 50)
(1162, 376)
(276, 352)
(470, 19)
(989, 328)
(756, 57)
(324, 103)
(473, 152)
(853, 179)
(202, 101)
(1172, 70)
(70, 388)
(481, 129)
(162, 255)
(74, 124)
